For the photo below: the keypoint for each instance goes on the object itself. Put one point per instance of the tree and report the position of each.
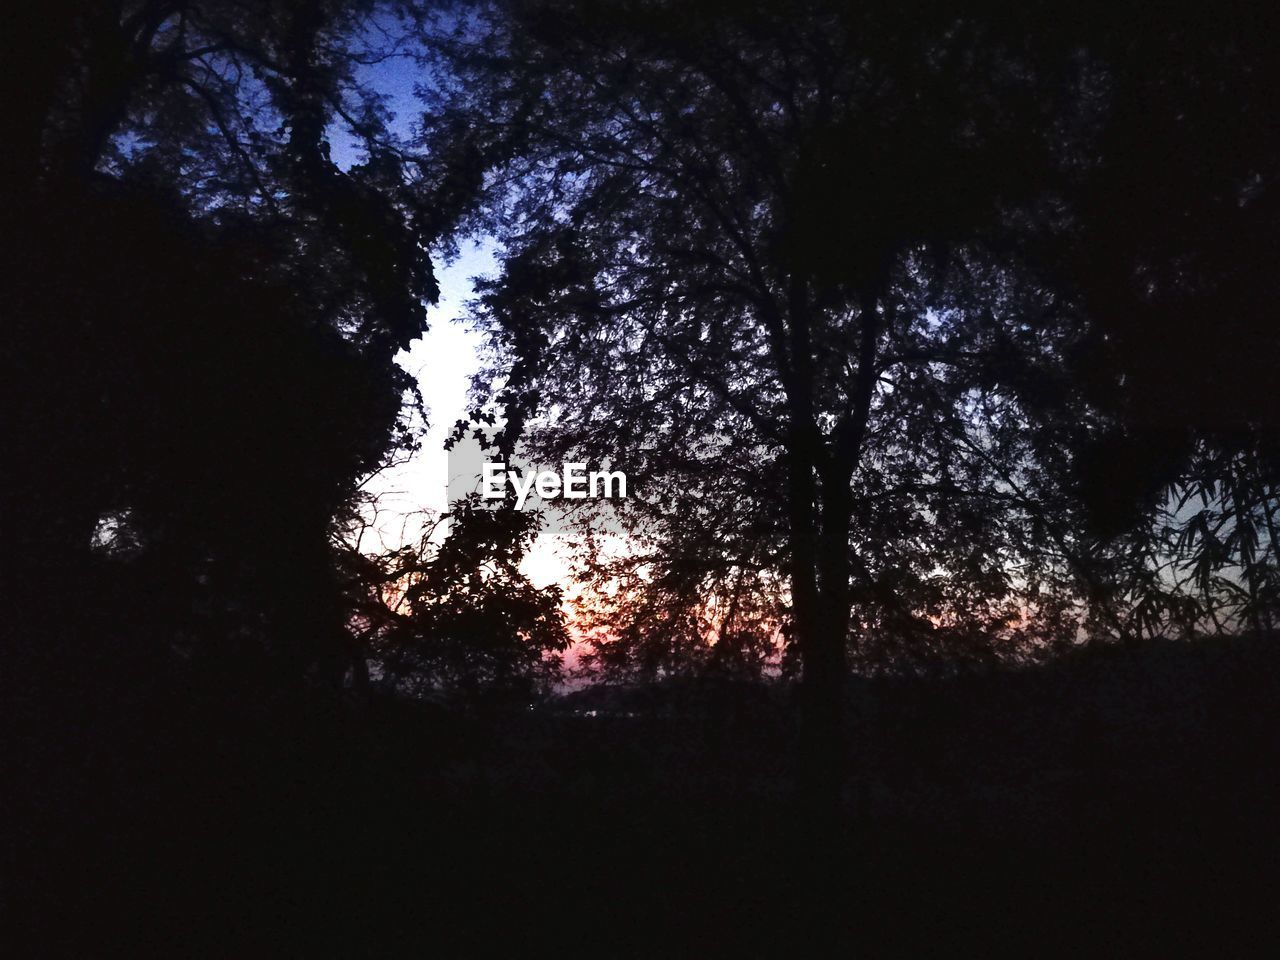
(760, 256)
(203, 310)
(1172, 231)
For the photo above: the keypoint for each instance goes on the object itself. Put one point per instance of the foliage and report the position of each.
(733, 266)
(454, 615)
(875, 298)
(203, 310)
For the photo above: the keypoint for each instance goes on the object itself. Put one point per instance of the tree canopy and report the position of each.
(203, 312)
(846, 271)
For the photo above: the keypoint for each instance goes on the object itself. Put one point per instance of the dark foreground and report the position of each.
(1121, 803)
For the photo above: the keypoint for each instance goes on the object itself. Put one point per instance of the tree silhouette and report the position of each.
(1173, 224)
(757, 257)
(204, 312)
(888, 313)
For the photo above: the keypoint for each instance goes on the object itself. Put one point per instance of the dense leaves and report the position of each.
(453, 615)
(216, 245)
(881, 307)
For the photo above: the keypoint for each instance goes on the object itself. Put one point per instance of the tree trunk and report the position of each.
(820, 515)
(820, 608)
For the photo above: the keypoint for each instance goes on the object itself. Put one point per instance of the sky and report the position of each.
(442, 361)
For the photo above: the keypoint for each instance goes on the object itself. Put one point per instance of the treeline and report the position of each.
(926, 336)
